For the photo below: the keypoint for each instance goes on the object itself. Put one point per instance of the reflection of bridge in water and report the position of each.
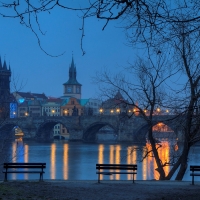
(86, 127)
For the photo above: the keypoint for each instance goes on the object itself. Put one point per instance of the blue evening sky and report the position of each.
(42, 73)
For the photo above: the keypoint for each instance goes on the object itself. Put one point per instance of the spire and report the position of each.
(4, 65)
(72, 70)
(9, 67)
(0, 63)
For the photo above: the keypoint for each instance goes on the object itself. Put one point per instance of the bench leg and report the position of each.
(5, 178)
(98, 178)
(41, 176)
(192, 180)
(133, 178)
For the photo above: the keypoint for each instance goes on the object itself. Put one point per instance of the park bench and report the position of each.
(24, 168)
(109, 169)
(194, 169)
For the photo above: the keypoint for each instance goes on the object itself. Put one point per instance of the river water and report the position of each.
(77, 161)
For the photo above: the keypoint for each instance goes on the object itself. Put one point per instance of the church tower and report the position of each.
(5, 75)
(72, 87)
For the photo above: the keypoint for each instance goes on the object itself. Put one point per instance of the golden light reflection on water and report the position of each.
(26, 148)
(111, 159)
(65, 161)
(117, 160)
(53, 162)
(164, 154)
(131, 158)
(14, 156)
(100, 154)
(113, 154)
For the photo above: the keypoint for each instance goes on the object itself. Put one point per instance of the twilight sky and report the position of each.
(42, 73)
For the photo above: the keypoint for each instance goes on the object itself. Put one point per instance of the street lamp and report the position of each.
(101, 110)
(65, 112)
(53, 111)
(158, 110)
(112, 111)
(118, 110)
(26, 114)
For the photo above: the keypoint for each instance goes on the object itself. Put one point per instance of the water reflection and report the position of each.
(53, 161)
(65, 161)
(76, 161)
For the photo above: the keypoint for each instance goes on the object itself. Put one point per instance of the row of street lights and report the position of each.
(112, 111)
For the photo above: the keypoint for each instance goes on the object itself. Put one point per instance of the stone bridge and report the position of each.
(85, 127)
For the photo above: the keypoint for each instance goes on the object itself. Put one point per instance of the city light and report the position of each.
(101, 110)
(26, 114)
(118, 110)
(158, 109)
(65, 112)
(112, 111)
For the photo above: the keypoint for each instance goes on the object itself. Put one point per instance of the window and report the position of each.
(77, 90)
(69, 89)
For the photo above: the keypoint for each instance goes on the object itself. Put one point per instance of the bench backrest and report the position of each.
(195, 168)
(25, 165)
(116, 166)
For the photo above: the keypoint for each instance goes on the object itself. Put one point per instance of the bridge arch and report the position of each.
(141, 133)
(89, 134)
(45, 129)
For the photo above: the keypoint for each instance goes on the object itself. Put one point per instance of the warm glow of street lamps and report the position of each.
(26, 114)
(118, 110)
(167, 111)
(158, 109)
(65, 111)
(112, 111)
(101, 110)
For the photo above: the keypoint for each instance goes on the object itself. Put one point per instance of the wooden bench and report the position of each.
(194, 169)
(107, 169)
(24, 168)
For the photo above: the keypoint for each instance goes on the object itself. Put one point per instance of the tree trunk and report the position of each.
(184, 163)
(155, 152)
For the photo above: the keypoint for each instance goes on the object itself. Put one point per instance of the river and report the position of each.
(76, 160)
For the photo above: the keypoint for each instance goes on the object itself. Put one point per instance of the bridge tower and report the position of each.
(5, 75)
(72, 88)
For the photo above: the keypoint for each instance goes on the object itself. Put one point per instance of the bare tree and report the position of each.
(147, 88)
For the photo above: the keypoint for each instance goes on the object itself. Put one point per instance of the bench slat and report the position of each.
(121, 168)
(24, 172)
(19, 166)
(110, 173)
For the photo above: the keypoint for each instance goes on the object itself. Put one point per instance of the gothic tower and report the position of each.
(72, 87)
(5, 75)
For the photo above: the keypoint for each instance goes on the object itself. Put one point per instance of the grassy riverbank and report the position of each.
(84, 190)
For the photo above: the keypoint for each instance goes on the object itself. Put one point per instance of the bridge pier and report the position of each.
(75, 135)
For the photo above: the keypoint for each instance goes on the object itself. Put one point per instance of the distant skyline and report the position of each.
(42, 73)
